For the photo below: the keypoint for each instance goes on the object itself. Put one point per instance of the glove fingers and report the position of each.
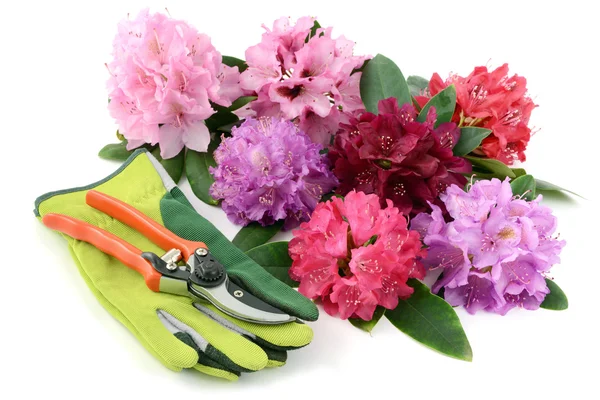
(277, 358)
(218, 343)
(171, 352)
(279, 337)
(216, 372)
(173, 359)
(205, 364)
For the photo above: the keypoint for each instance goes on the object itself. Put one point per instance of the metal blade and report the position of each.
(241, 304)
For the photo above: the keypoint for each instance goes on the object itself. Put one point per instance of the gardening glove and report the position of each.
(179, 331)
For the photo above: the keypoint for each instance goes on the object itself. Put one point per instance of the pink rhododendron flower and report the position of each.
(163, 77)
(354, 255)
(495, 101)
(303, 77)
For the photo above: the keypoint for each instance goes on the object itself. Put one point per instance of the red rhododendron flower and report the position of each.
(398, 158)
(354, 255)
(495, 101)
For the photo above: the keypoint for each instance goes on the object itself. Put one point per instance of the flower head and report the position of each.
(354, 255)
(496, 250)
(269, 170)
(495, 101)
(396, 157)
(163, 77)
(304, 76)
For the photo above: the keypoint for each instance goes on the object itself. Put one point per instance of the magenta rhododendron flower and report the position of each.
(163, 77)
(398, 158)
(495, 101)
(354, 254)
(495, 252)
(269, 170)
(303, 77)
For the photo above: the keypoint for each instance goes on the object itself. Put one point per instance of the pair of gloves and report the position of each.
(179, 331)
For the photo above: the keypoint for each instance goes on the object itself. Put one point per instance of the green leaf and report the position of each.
(235, 62)
(524, 186)
(361, 68)
(470, 139)
(174, 165)
(490, 168)
(328, 196)
(556, 299)
(368, 326)
(221, 118)
(196, 169)
(115, 151)
(241, 102)
(430, 320)
(380, 80)
(275, 259)
(417, 85)
(254, 234)
(371, 240)
(550, 187)
(519, 171)
(444, 103)
(313, 31)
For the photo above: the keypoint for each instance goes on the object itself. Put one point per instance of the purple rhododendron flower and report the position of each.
(496, 250)
(269, 170)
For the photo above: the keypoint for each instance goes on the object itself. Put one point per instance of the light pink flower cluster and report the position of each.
(303, 76)
(354, 255)
(163, 77)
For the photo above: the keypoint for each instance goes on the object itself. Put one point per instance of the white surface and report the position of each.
(56, 339)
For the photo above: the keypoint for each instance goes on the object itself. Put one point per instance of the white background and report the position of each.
(56, 339)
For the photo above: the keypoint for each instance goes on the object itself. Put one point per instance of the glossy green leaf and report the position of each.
(428, 319)
(556, 299)
(241, 102)
(254, 234)
(221, 118)
(115, 151)
(196, 170)
(173, 166)
(417, 85)
(361, 68)
(550, 187)
(380, 80)
(470, 139)
(368, 326)
(490, 168)
(275, 259)
(313, 31)
(235, 62)
(328, 196)
(524, 186)
(444, 103)
(519, 172)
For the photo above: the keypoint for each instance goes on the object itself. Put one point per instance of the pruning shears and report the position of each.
(202, 276)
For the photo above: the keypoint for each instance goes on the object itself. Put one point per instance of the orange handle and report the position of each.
(136, 219)
(106, 242)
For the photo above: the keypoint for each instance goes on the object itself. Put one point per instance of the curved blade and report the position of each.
(241, 304)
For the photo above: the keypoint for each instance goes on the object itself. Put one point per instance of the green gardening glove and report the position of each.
(181, 332)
